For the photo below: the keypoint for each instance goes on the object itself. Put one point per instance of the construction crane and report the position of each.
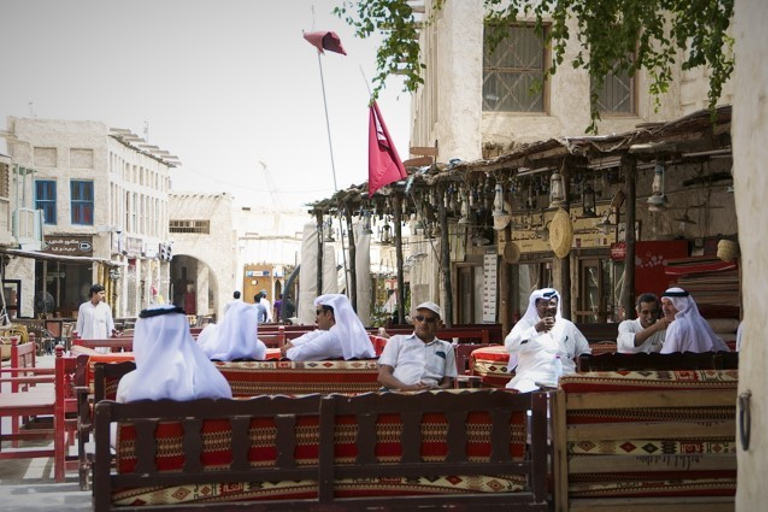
(270, 185)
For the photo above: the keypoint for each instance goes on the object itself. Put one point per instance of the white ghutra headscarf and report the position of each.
(531, 318)
(355, 342)
(169, 364)
(235, 337)
(690, 332)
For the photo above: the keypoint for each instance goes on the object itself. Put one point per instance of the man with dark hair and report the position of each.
(258, 303)
(94, 318)
(646, 332)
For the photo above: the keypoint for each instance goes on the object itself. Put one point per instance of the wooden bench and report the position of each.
(52, 402)
(246, 378)
(646, 441)
(656, 361)
(436, 450)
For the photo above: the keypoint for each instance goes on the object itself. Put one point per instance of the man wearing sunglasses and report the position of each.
(543, 344)
(420, 360)
(339, 335)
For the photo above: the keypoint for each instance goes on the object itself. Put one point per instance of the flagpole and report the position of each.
(327, 122)
(333, 169)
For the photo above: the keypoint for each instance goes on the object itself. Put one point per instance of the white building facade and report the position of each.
(103, 194)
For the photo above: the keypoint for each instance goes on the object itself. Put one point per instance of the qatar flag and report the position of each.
(384, 165)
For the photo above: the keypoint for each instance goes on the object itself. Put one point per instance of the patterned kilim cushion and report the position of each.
(262, 453)
(490, 363)
(596, 382)
(251, 378)
(111, 386)
(674, 457)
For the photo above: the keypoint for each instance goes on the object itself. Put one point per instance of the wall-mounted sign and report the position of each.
(530, 231)
(133, 246)
(69, 245)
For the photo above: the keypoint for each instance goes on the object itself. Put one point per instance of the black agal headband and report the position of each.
(149, 313)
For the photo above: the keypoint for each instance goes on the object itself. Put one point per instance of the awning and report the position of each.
(60, 257)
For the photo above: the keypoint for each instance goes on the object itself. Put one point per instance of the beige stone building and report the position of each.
(102, 194)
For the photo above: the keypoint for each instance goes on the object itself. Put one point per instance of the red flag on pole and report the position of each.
(325, 41)
(384, 165)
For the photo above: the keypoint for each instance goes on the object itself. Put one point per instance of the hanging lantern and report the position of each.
(367, 223)
(588, 202)
(498, 201)
(556, 190)
(386, 233)
(328, 231)
(657, 202)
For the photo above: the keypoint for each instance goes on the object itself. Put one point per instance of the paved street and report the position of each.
(28, 484)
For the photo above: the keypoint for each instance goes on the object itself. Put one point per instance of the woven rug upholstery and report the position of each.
(675, 458)
(216, 456)
(251, 378)
(490, 363)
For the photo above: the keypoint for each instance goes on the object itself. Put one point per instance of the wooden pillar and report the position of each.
(398, 213)
(319, 216)
(505, 289)
(445, 264)
(352, 257)
(565, 263)
(629, 168)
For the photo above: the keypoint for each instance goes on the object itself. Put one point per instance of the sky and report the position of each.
(229, 86)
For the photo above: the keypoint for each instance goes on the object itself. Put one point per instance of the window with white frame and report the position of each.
(81, 198)
(513, 75)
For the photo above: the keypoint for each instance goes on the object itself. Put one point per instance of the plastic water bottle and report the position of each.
(558, 363)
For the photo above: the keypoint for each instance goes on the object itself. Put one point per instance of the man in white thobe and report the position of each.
(339, 335)
(689, 331)
(646, 332)
(540, 339)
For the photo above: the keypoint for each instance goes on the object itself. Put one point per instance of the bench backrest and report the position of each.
(645, 435)
(252, 378)
(314, 448)
(656, 361)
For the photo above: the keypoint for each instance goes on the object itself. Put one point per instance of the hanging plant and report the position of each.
(613, 36)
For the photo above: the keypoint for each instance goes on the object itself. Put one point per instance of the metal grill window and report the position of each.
(512, 71)
(190, 226)
(617, 95)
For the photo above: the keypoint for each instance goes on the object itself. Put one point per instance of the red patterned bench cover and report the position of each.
(252, 378)
(490, 364)
(648, 434)
(380, 443)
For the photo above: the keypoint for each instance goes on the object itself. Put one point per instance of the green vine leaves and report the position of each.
(612, 36)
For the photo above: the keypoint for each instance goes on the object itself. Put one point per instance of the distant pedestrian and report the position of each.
(261, 308)
(277, 307)
(94, 317)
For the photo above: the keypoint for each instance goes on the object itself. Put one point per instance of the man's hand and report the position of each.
(545, 324)
(661, 324)
(284, 349)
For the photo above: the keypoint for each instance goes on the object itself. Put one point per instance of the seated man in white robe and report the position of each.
(543, 343)
(235, 337)
(339, 334)
(169, 364)
(689, 331)
(646, 332)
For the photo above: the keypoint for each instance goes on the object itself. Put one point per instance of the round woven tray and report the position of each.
(511, 253)
(561, 234)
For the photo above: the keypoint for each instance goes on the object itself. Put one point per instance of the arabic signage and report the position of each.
(69, 245)
(133, 246)
(530, 231)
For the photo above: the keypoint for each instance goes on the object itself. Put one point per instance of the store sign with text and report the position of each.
(69, 245)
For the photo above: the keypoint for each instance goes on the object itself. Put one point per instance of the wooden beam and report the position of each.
(418, 162)
(423, 151)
